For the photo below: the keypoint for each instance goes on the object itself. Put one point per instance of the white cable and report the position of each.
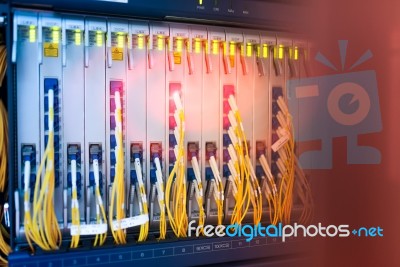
(177, 101)
(232, 154)
(73, 174)
(159, 184)
(177, 119)
(196, 169)
(234, 188)
(281, 166)
(118, 123)
(96, 172)
(232, 169)
(214, 168)
(232, 103)
(265, 166)
(74, 201)
(139, 175)
(252, 172)
(232, 120)
(282, 105)
(282, 120)
(51, 108)
(27, 174)
(232, 136)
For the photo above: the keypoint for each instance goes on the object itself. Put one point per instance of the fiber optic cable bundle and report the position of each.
(218, 190)
(176, 183)
(118, 186)
(143, 207)
(289, 169)
(270, 190)
(42, 227)
(74, 203)
(4, 246)
(100, 213)
(245, 182)
(160, 197)
(198, 187)
(3, 63)
(304, 193)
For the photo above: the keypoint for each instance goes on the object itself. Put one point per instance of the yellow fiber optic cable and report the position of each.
(118, 199)
(100, 213)
(3, 63)
(198, 186)
(270, 191)
(144, 228)
(249, 190)
(74, 203)
(3, 146)
(4, 247)
(218, 190)
(176, 182)
(160, 197)
(304, 192)
(286, 163)
(42, 228)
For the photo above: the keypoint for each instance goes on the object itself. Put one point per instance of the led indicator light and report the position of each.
(78, 37)
(215, 47)
(32, 34)
(197, 46)
(55, 34)
(140, 41)
(99, 38)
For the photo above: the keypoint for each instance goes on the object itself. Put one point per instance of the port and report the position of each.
(136, 153)
(95, 153)
(74, 153)
(193, 150)
(276, 92)
(211, 150)
(260, 148)
(28, 153)
(226, 140)
(155, 151)
(209, 173)
(229, 90)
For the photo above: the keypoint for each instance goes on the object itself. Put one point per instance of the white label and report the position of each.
(278, 144)
(130, 222)
(88, 229)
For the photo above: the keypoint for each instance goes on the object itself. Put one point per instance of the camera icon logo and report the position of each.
(345, 104)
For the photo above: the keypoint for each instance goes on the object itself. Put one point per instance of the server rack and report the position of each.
(174, 252)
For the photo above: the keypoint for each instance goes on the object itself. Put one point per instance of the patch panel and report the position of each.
(214, 192)
(156, 126)
(94, 115)
(116, 91)
(228, 90)
(52, 84)
(195, 185)
(262, 128)
(49, 41)
(211, 113)
(136, 132)
(25, 55)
